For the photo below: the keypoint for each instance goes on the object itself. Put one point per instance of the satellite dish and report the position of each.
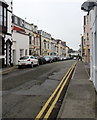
(87, 6)
(3, 1)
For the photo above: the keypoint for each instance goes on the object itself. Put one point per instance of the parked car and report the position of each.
(74, 58)
(64, 58)
(48, 59)
(54, 58)
(41, 60)
(61, 58)
(57, 58)
(27, 61)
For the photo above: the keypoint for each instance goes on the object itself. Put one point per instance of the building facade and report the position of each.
(45, 43)
(86, 41)
(29, 31)
(6, 32)
(61, 48)
(82, 51)
(67, 52)
(37, 44)
(54, 47)
(21, 39)
(93, 38)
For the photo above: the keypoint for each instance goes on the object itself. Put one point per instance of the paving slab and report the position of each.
(7, 70)
(79, 101)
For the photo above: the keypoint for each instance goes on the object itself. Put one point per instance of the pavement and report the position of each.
(7, 70)
(80, 101)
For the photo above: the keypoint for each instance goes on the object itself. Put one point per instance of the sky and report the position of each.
(63, 19)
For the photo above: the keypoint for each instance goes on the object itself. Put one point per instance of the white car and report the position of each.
(74, 58)
(27, 61)
(64, 58)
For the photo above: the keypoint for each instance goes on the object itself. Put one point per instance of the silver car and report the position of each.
(27, 61)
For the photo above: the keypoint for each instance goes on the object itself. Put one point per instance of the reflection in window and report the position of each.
(27, 26)
(4, 16)
(48, 44)
(45, 45)
(30, 40)
(16, 20)
(0, 10)
(37, 41)
(26, 52)
(21, 52)
(1, 17)
(30, 52)
(21, 23)
(1, 20)
(5, 21)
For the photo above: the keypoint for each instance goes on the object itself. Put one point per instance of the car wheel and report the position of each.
(37, 63)
(50, 61)
(19, 66)
(41, 62)
(31, 65)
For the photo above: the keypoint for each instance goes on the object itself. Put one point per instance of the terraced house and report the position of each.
(55, 47)
(26, 40)
(85, 40)
(46, 43)
(36, 51)
(61, 48)
(6, 32)
(19, 38)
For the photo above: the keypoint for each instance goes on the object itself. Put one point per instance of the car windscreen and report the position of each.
(24, 58)
(46, 56)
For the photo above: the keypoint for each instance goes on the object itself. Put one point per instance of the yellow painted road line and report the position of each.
(57, 97)
(49, 100)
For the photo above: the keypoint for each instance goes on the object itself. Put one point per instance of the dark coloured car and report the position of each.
(41, 60)
(48, 59)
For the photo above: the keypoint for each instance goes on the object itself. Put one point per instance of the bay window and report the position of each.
(3, 17)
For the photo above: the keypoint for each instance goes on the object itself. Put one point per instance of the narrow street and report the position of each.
(48, 60)
(26, 90)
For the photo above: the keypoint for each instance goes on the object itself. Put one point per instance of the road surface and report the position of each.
(26, 90)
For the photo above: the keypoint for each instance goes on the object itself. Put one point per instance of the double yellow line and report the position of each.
(61, 87)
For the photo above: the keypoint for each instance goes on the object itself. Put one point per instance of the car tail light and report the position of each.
(28, 60)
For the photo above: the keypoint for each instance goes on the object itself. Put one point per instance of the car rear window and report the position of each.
(47, 56)
(24, 58)
(32, 57)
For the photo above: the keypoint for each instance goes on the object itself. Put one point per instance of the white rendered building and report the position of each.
(20, 40)
(91, 8)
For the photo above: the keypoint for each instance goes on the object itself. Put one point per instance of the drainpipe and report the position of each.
(40, 44)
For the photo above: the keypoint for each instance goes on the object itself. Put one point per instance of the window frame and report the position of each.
(3, 25)
(44, 45)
